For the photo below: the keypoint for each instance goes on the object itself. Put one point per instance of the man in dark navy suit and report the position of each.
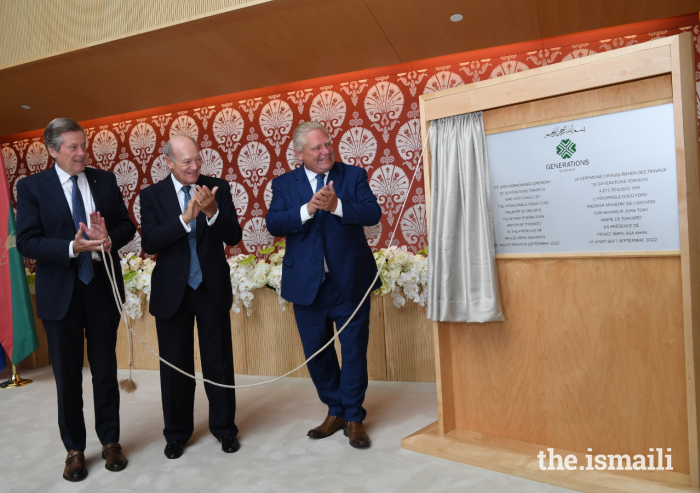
(186, 219)
(321, 208)
(64, 216)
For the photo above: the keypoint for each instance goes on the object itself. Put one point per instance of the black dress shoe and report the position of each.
(174, 450)
(229, 444)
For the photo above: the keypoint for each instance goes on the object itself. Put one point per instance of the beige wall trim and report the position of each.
(32, 30)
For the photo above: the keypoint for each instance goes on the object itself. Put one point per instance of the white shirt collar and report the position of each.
(63, 177)
(177, 184)
(312, 176)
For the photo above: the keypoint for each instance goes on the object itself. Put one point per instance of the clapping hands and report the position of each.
(97, 232)
(323, 200)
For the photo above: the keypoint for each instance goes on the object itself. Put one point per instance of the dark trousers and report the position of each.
(343, 391)
(92, 316)
(176, 344)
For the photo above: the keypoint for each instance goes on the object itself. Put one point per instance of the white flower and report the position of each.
(398, 300)
(402, 257)
(139, 283)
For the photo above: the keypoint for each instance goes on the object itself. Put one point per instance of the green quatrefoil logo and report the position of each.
(566, 149)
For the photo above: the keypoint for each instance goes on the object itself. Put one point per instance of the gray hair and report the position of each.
(58, 126)
(299, 136)
(168, 147)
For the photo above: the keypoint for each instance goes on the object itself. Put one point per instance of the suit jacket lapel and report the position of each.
(303, 185)
(335, 175)
(168, 197)
(201, 220)
(94, 189)
(56, 191)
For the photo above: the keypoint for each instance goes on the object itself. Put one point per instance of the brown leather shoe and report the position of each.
(75, 466)
(329, 426)
(356, 432)
(115, 460)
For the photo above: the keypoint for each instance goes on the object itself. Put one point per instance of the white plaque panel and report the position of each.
(601, 184)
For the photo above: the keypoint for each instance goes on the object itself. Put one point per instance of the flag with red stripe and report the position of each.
(17, 329)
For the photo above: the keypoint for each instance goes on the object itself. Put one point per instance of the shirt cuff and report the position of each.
(71, 253)
(305, 214)
(213, 219)
(339, 209)
(186, 226)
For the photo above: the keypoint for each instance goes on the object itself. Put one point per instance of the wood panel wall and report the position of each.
(268, 343)
(593, 356)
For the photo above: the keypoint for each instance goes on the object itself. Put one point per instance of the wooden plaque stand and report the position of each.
(597, 352)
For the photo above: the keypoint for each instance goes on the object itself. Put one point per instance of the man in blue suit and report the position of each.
(321, 208)
(65, 215)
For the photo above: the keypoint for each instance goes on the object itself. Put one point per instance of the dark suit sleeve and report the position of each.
(31, 242)
(156, 237)
(364, 211)
(226, 225)
(123, 228)
(283, 219)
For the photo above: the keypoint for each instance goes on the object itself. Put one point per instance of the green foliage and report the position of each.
(248, 260)
(423, 251)
(130, 275)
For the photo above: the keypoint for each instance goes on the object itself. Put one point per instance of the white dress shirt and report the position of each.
(88, 203)
(181, 200)
(305, 216)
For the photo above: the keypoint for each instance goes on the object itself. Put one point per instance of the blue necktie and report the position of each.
(84, 260)
(195, 277)
(319, 186)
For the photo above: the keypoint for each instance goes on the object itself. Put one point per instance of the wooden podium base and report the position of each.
(520, 459)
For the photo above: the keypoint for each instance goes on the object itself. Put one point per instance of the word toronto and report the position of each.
(610, 462)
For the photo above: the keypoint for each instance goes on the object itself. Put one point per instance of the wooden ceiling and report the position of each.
(284, 41)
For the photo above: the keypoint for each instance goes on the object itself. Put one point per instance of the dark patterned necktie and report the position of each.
(319, 213)
(84, 260)
(195, 277)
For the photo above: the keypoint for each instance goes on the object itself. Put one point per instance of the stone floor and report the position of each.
(275, 455)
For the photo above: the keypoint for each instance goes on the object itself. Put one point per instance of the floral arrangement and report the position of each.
(136, 273)
(403, 274)
(247, 275)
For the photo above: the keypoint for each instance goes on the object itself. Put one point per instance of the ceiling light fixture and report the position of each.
(456, 17)
(25, 106)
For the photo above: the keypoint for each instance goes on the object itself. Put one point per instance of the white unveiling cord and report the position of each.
(130, 331)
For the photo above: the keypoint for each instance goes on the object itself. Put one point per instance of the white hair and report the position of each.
(299, 136)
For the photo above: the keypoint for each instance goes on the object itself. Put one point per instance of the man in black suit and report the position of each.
(64, 216)
(186, 219)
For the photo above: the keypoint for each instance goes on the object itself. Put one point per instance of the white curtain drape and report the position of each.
(462, 281)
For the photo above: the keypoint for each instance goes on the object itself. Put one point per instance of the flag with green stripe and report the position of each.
(17, 329)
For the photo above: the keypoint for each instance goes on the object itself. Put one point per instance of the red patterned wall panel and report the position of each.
(374, 124)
